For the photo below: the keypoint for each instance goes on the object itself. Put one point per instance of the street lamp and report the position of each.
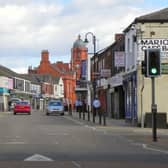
(94, 66)
(78, 96)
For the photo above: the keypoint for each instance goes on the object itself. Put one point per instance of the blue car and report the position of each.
(55, 107)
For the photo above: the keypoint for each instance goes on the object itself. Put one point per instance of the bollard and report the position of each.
(79, 111)
(104, 118)
(83, 113)
(100, 118)
(88, 114)
(94, 112)
(70, 109)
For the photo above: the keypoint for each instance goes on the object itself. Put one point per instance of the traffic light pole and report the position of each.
(154, 111)
(151, 68)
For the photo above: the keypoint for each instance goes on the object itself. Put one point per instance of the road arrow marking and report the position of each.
(37, 157)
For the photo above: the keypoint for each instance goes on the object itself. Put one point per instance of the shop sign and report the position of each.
(103, 82)
(116, 81)
(148, 43)
(6, 82)
(162, 44)
(4, 90)
(119, 58)
(164, 68)
(105, 73)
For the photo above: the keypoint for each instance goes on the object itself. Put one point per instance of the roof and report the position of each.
(40, 78)
(157, 16)
(63, 67)
(79, 43)
(4, 71)
(34, 78)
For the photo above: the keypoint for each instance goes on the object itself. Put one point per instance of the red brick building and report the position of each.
(69, 72)
(78, 53)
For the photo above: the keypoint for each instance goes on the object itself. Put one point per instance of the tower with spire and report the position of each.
(78, 53)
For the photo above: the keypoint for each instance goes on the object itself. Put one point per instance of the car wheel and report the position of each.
(62, 114)
(14, 113)
(47, 114)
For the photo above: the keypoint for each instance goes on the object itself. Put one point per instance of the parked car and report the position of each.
(55, 107)
(22, 107)
(12, 103)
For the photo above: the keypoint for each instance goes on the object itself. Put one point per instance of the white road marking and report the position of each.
(76, 164)
(154, 149)
(14, 143)
(56, 134)
(37, 157)
(93, 128)
(75, 121)
(137, 144)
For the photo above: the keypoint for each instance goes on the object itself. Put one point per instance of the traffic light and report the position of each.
(153, 62)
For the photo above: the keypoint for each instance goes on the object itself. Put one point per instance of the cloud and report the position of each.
(31, 26)
(43, 25)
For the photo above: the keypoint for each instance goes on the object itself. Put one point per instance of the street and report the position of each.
(64, 139)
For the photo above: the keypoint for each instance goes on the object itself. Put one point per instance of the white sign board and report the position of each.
(119, 58)
(115, 81)
(6, 82)
(105, 73)
(148, 43)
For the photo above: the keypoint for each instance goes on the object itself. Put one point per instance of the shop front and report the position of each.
(130, 89)
(117, 97)
(4, 96)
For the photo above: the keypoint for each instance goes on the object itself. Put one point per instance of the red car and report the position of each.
(22, 107)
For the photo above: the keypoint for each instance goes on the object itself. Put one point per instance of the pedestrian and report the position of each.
(77, 105)
(96, 105)
(84, 105)
(80, 105)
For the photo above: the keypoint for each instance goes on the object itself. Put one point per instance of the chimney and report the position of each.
(45, 56)
(119, 36)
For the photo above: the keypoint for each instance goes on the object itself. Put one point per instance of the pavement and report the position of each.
(136, 135)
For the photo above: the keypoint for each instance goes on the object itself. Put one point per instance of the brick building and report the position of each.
(69, 72)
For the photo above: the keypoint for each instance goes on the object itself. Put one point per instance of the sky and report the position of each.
(30, 26)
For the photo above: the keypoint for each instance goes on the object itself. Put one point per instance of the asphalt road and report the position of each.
(66, 142)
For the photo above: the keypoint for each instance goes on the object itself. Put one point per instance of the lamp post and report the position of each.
(94, 66)
(78, 107)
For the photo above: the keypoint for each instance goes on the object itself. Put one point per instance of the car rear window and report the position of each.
(55, 103)
(22, 103)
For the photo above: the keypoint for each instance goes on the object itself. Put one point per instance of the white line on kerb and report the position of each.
(153, 149)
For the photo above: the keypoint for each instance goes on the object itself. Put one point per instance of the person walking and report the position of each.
(96, 104)
(96, 108)
(77, 105)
